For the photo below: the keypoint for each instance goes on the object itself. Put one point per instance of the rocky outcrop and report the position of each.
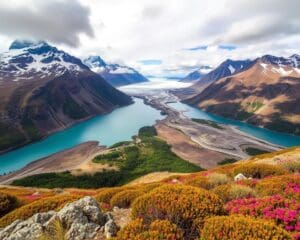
(80, 220)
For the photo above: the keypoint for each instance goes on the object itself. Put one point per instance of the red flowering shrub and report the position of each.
(158, 229)
(282, 185)
(248, 182)
(181, 205)
(240, 228)
(284, 212)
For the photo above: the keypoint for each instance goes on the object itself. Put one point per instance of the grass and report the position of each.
(255, 151)
(207, 122)
(120, 144)
(150, 155)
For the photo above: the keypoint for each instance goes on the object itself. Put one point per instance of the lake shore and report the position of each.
(66, 160)
(228, 141)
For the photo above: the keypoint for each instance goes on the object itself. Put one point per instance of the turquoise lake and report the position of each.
(120, 125)
(285, 140)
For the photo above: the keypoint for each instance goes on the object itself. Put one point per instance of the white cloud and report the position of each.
(131, 30)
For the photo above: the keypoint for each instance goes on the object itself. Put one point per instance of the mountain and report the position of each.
(197, 75)
(264, 93)
(43, 89)
(227, 68)
(115, 74)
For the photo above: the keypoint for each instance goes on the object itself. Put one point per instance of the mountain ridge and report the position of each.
(264, 94)
(44, 89)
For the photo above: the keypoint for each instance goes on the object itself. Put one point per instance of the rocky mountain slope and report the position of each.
(265, 92)
(43, 89)
(115, 74)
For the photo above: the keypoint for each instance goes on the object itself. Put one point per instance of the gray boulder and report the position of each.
(81, 220)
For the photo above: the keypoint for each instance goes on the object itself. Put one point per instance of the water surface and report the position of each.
(262, 133)
(120, 125)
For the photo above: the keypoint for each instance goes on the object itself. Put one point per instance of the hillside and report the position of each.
(264, 94)
(115, 74)
(263, 190)
(44, 89)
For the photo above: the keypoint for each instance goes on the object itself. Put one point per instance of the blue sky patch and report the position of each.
(151, 62)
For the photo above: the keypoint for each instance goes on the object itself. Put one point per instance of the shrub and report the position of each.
(258, 170)
(233, 191)
(248, 182)
(277, 185)
(200, 182)
(124, 198)
(7, 203)
(290, 165)
(284, 212)
(210, 181)
(159, 229)
(240, 228)
(216, 179)
(181, 205)
(42, 205)
(106, 194)
(149, 187)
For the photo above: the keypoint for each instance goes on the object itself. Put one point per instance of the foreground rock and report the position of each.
(80, 220)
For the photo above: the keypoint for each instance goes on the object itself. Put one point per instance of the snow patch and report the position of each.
(231, 69)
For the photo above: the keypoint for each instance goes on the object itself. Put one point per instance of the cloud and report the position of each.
(133, 30)
(247, 22)
(57, 21)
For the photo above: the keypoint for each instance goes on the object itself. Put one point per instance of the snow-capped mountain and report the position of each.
(227, 68)
(115, 74)
(264, 92)
(27, 60)
(197, 75)
(43, 89)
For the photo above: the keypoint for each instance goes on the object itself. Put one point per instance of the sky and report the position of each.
(157, 37)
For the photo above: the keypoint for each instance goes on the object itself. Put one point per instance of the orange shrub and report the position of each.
(106, 194)
(180, 204)
(149, 186)
(200, 182)
(276, 185)
(259, 170)
(240, 228)
(233, 191)
(42, 205)
(125, 198)
(7, 203)
(158, 229)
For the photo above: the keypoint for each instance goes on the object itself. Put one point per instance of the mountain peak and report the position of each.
(19, 44)
(94, 61)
